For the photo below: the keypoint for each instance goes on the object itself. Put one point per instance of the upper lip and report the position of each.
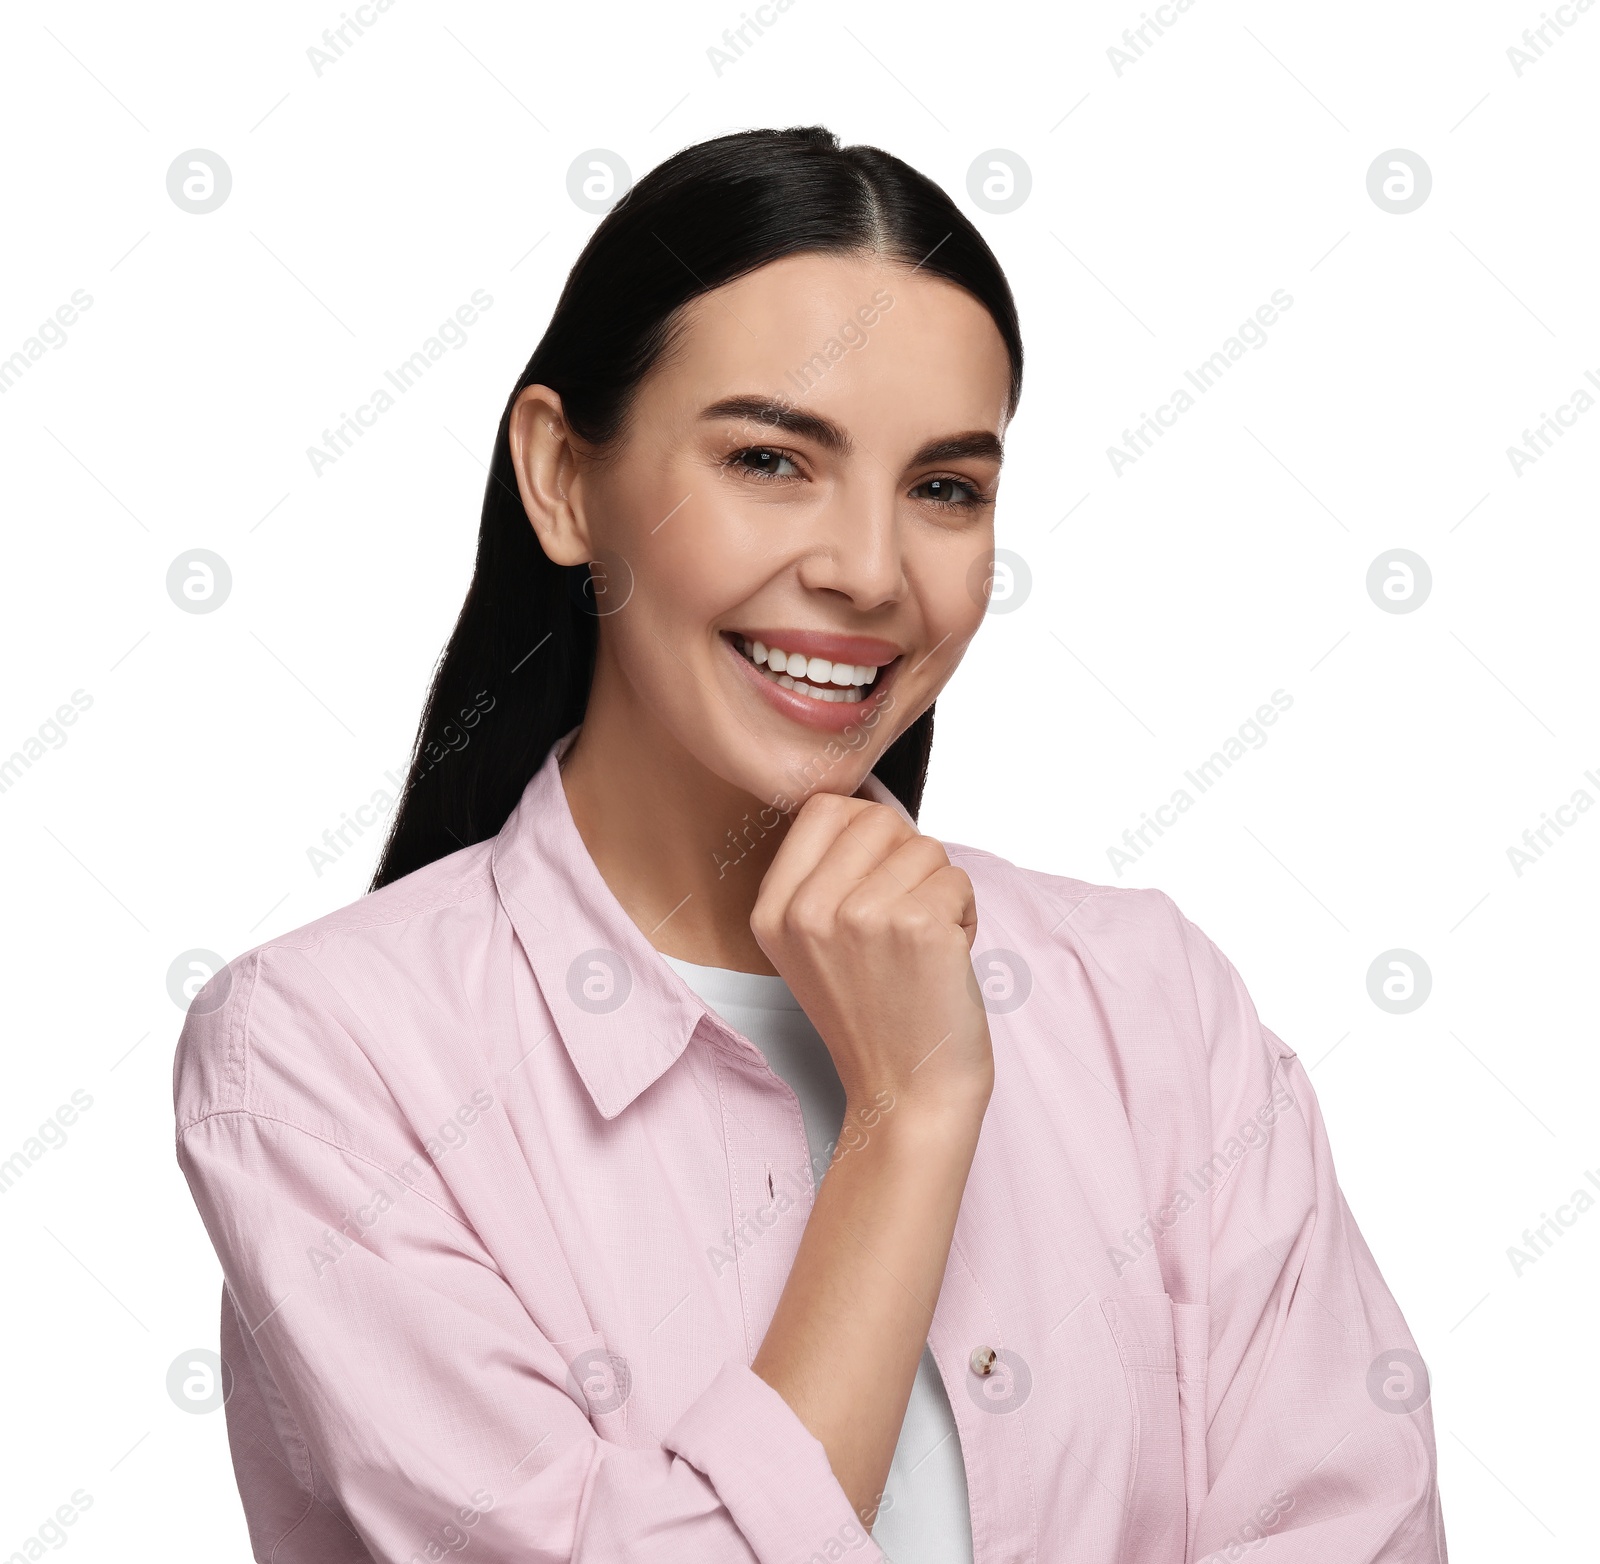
(862, 650)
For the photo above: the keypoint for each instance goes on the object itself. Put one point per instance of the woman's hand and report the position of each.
(872, 928)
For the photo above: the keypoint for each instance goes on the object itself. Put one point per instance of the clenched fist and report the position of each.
(872, 927)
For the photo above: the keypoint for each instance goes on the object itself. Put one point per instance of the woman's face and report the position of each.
(810, 472)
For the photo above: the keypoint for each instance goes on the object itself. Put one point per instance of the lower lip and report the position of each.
(824, 716)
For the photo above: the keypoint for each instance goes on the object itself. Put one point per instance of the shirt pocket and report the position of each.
(1154, 1505)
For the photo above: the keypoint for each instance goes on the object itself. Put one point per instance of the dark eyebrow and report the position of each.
(784, 415)
(980, 442)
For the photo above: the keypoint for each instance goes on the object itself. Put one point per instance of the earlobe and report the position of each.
(544, 457)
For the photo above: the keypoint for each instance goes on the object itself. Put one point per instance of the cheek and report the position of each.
(684, 563)
(949, 576)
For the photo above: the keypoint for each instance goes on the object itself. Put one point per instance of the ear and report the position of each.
(545, 457)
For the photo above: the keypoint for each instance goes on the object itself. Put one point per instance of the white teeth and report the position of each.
(810, 676)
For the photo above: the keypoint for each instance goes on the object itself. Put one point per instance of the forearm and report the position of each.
(850, 1326)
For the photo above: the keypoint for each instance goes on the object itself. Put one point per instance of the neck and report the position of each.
(657, 824)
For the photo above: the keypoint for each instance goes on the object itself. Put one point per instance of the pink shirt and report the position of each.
(504, 1211)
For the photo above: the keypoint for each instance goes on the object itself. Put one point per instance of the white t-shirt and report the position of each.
(924, 1517)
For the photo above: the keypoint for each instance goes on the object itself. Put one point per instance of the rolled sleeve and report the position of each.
(738, 1433)
(394, 1398)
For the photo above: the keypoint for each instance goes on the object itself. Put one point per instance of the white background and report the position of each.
(1167, 603)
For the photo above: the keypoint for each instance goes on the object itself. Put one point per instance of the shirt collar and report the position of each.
(623, 1014)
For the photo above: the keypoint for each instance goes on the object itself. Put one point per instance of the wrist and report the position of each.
(922, 1122)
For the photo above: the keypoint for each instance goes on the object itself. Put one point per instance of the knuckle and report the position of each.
(860, 918)
(886, 821)
(806, 918)
(820, 806)
(916, 927)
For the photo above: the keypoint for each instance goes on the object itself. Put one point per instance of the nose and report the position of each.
(858, 554)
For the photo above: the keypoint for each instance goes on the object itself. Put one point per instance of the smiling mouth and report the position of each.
(828, 682)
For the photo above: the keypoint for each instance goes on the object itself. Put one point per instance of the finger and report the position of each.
(902, 870)
(950, 890)
(914, 873)
(815, 827)
(868, 839)
(967, 918)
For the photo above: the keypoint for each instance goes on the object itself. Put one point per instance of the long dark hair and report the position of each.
(515, 675)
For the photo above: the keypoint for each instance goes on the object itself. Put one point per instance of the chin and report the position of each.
(830, 762)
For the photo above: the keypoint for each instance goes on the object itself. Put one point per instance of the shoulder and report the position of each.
(1119, 920)
(385, 916)
(1134, 947)
(303, 1018)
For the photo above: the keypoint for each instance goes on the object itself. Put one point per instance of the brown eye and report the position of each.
(763, 461)
(948, 491)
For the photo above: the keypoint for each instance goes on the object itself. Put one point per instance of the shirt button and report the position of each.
(982, 1360)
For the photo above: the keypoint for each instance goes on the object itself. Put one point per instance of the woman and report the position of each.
(516, 1166)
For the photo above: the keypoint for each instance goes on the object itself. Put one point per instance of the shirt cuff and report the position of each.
(770, 1472)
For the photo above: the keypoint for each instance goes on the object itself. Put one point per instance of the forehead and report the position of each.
(862, 339)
